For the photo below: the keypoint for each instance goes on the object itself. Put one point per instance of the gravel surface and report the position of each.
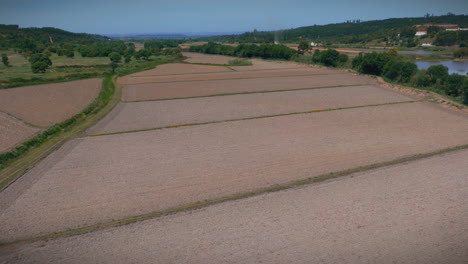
(409, 213)
(152, 114)
(102, 178)
(48, 104)
(13, 132)
(224, 75)
(153, 91)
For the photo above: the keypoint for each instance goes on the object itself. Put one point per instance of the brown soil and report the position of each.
(13, 132)
(205, 58)
(152, 91)
(143, 115)
(48, 104)
(408, 213)
(102, 178)
(225, 75)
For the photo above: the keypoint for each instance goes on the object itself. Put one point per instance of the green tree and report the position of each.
(128, 58)
(115, 57)
(438, 72)
(5, 60)
(454, 85)
(303, 46)
(400, 71)
(465, 92)
(330, 57)
(39, 63)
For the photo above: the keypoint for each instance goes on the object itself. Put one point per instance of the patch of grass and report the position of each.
(239, 62)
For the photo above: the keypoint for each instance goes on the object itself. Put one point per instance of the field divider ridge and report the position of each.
(248, 92)
(238, 196)
(248, 118)
(240, 78)
(23, 121)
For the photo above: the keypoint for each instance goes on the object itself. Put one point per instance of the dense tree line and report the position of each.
(349, 33)
(449, 38)
(103, 48)
(393, 67)
(266, 51)
(36, 40)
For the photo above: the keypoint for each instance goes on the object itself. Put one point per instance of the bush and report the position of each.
(400, 71)
(438, 72)
(454, 85)
(39, 63)
(330, 57)
(5, 60)
(372, 63)
(421, 79)
(465, 92)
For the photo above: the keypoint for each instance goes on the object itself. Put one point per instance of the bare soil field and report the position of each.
(194, 57)
(226, 75)
(181, 68)
(153, 114)
(408, 213)
(256, 64)
(13, 132)
(97, 179)
(153, 91)
(47, 104)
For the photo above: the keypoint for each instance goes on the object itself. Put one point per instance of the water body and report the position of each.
(460, 67)
(416, 52)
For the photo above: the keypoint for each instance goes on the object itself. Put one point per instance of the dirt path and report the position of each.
(409, 213)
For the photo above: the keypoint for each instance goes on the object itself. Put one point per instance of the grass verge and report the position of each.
(238, 196)
(250, 118)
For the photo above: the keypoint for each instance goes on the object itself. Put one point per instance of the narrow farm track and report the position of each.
(243, 133)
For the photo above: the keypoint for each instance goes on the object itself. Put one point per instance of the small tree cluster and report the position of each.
(40, 62)
(5, 60)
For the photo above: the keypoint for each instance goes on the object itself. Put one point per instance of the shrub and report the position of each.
(454, 85)
(465, 92)
(5, 60)
(438, 72)
(330, 57)
(400, 71)
(39, 63)
(421, 79)
(372, 63)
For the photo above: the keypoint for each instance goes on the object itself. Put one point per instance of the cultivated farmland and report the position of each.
(45, 105)
(252, 131)
(13, 132)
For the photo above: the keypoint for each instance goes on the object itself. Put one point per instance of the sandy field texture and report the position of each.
(153, 114)
(225, 75)
(154, 91)
(47, 104)
(408, 213)
(194, 57)
(96, 179)
(256, 63)
(13, 132)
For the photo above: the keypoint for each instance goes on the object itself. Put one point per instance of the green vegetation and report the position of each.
(388, 32)
(40, 62)
(461, 53)
(5, 60)
(265, 51)
(436, 78)
(239, 62)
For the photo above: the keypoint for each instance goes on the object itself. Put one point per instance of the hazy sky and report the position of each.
(150, 16)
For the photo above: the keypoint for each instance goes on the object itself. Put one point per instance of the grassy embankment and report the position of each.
(17, 161)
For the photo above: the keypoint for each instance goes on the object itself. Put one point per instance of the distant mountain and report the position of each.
(346, 32)
(12, 36)
(184, 35)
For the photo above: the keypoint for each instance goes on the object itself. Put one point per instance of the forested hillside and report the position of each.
(353, 31)
(38, 39)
